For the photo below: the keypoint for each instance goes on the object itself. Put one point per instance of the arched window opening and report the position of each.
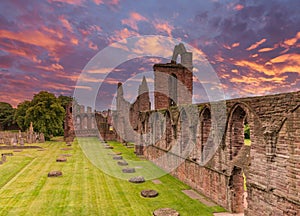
(184, 131)
(237, 134)
(247, 135)
(85, 122)
(205, 131)
(172, 90)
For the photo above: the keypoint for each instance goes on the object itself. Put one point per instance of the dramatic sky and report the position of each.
(253, 46)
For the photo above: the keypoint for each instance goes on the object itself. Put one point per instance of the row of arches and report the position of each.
(193, 137)
(167, 131)
(85, 122)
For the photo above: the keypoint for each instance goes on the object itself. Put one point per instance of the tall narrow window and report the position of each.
(173, 90)
(238, 120)
(184, 130)
(205, 131)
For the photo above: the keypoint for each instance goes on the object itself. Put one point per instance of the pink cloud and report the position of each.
(238, 7)
(98, 2)
(33, 37)
(163, 26)
(122, 34)
(66, 23)
(133, 19)
(72, 2)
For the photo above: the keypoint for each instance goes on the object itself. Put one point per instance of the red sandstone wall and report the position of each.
(271, 165)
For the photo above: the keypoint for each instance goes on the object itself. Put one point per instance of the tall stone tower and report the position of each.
(173, 83)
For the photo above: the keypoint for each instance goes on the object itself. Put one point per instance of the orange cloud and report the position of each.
(133, 20)
(257, 80)
(292, 41)
(93, 46)
(163, 26)
(235, 44)
(254, 46)
(276, 66)
(291, 58)
(266, 49)
(74, 41)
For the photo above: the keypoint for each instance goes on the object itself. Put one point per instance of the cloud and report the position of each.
(133, 19)
(52, 67)
(71, 2)
(163, 26)
(93, 46)
(257, 44)
(66, 23)
(98, 2)
(122, 34)
(292, 41)
(33, 37)
(274, 67)
(238, 7)
(267, 49)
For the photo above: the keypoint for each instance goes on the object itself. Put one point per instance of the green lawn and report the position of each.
(94, 186)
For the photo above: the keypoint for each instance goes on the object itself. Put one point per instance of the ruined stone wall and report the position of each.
(163, 74)
(271, 164)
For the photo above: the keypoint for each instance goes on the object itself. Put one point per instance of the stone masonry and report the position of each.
(203, 144)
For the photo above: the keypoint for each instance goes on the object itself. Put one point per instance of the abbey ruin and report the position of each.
(203, 144)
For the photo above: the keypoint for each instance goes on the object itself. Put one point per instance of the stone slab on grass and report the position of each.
(228, 214)
(122, 163)
(54, 174)
(194, 195)
(156, 181)
(149, 193)
(166, 212)
(61, 159)
(128, 170)
(137, 179)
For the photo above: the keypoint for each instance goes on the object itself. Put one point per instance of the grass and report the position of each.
(92, 184)
(247, 142)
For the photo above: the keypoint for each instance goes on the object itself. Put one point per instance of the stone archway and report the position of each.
(239, 156)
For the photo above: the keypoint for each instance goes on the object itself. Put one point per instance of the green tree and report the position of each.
(64, 100)
(46, 113)
(6, 115)
(20, 115)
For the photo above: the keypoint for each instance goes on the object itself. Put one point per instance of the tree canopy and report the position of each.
(20, 115)
(6, 115)
(46, 113)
